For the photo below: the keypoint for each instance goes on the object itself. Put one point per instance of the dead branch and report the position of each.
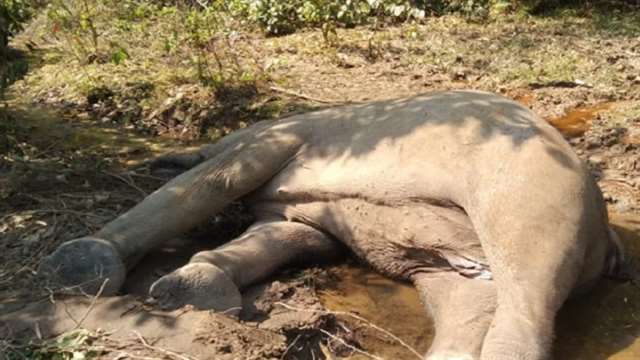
(286, 351)
(559, 84)
(129, 182)
(92, 305)
(353, 348)
(160, 350)
(361, 319)
(303, 96)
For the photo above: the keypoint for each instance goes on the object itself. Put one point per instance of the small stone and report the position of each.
(596, 159)
(88, 203)
(610, 141)
(622, 206)
(575, 141)
(592, 143)
(348, 62)
(458, 74)
(31, 239)
(101, 197)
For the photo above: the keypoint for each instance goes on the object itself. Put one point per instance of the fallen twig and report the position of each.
(559, 84)
(60, 211)
(353, 348)
(128, 182)
(92, 305)
(145, 176)
(286, 351)
(367, 322)
(303, 96)
(164, 351)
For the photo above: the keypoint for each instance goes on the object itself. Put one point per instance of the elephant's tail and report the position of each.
(617, 265)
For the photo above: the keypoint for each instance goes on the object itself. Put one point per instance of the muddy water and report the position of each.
(391, 305)
(604, 324)
(577, 121)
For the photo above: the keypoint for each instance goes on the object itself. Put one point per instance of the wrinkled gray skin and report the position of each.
(469, 195)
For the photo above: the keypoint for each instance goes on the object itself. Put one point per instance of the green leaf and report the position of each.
(119, 56)
(72, 339)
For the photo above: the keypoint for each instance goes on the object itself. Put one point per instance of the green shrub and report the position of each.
(284, 17)
(75, 20)
(13, 14)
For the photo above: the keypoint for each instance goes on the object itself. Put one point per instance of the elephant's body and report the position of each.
(448, 190)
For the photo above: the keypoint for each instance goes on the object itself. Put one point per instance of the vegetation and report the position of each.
(74, 345)
(194, 68)
(13, 14)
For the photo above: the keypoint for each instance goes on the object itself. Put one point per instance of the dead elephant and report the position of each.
(469, 195)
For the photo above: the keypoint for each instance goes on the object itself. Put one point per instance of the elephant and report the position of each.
(468, 195)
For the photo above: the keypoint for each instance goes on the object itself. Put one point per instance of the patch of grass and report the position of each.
(200, 56)
(190, 53)
(618, 22)
(73, 345)
(618, 18)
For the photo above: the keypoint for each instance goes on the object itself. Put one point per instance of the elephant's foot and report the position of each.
(508, 350)
(515, 337)
(205, 286)
(450, 356)
(85, 265)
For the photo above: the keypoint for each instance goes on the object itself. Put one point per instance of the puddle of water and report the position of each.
(604, 324)
(577, 121)
(391, 305)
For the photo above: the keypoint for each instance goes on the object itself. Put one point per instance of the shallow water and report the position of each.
(577, 121)
(604, 324)
(391, 305)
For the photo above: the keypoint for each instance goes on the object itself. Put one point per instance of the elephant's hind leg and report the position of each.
(212, 278)
(536, 241)
(245, 162)
(462, 309)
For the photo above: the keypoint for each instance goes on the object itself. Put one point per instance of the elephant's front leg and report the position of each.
(241, 166)
(462, 309)
(212, 279)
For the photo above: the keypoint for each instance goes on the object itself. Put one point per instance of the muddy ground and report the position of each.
(69, 165)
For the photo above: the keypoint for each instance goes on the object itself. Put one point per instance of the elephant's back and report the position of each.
(444, 145)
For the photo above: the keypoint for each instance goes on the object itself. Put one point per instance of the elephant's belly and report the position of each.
(398, 240)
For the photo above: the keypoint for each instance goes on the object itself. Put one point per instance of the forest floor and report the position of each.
(74, 156)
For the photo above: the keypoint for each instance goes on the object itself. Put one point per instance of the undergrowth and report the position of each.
(194, 68)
